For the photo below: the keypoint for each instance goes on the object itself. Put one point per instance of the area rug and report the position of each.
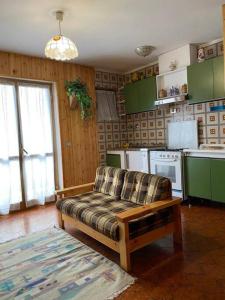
(51, 264)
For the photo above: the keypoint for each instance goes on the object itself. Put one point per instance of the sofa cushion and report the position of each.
(99, 212)
(109, 181)
(145, 188)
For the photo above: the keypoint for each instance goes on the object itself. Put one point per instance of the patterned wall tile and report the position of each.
(151, 114)
(143, 116)
(109, 137)
(109, 145)
(130, 117)
(101, 147)
(210, 104)
(212, 131)
(144, 134)
(151, 124)
(137, 125)
(199, 108)
(113, 77)
(220, 48)
(152, 134)
(160, 123)
(108, 127)
(210, 51)
(130, 126)
(212, 141)
(222, 117)
(101, 137)
(116, 136)
(201, 118)
(160, 134)
(202, 131)
(101, 127)
(144, 124)
(123, 126)
(137, 135)
(116, 145)
(105, 77)
(116, 127)
(212, 118)
(222, 131)
(159, 113)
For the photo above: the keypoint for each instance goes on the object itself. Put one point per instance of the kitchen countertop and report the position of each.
(136, 148)
(210, 153)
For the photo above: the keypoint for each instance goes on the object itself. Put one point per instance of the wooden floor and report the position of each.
(196, 274)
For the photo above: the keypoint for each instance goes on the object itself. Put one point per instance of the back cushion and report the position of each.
(145, 188)
(109, 181)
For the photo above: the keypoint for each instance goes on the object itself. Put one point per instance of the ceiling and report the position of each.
(106, 32)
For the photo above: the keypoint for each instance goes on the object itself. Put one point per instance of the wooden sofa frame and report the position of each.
(125, 246)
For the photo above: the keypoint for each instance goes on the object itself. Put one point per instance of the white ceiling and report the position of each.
(107, 31)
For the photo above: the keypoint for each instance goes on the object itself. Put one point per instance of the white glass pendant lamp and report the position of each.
(60, 47)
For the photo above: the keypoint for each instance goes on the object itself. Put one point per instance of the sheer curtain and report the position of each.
(10, 180)
(106, 106)
(37, 139)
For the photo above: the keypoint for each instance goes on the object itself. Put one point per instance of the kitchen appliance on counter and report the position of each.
(135, 158)
(138, 160)
(169, 163)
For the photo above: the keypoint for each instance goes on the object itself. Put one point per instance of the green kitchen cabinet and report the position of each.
(206, 80)
(113, 160)
(198, 177)
(131, 98)
(218, 179)
(140, 95)
(218, 77)
(200, 81)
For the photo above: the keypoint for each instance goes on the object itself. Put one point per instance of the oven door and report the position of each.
(170, 168)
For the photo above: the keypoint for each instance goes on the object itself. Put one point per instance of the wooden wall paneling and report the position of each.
(78, 137)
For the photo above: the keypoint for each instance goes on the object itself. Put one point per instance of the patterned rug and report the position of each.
(51, 264)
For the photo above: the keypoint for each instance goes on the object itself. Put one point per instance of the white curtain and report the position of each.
(106, 106)
(37, 139)
(10, 181)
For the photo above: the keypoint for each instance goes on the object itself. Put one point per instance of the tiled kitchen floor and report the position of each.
(196, 274)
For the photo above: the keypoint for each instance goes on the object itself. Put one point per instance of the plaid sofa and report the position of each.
(115, 191)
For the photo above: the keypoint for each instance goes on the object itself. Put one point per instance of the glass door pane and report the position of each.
(10, 180)
(37, 141)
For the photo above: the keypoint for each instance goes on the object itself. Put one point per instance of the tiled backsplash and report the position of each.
(149, 128)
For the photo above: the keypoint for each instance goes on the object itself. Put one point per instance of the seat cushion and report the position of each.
(109, 181)
(99, 212)
(145, 188)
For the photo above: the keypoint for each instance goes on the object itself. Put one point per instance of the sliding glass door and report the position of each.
(10, 175)
(27, 156)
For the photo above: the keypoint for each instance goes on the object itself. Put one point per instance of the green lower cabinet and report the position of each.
(198, 177)
(113, 160)
(218, 179)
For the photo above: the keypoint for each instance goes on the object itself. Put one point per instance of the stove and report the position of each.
(168, 163)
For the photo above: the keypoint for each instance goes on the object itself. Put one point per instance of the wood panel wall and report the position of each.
(78, 137)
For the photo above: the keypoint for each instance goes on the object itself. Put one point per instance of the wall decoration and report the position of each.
(78, 94)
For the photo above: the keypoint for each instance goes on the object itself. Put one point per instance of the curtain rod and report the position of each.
(106, 89)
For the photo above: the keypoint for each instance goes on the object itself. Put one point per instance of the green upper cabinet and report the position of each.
(217, 179)
(131, 98)
(206, 80)
(140, 95)
(200, 81)
(218, 77)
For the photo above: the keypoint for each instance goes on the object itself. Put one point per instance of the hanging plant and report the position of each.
(78, 95)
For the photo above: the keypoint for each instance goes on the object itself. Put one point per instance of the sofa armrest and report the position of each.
(135, 213)
(75, 190)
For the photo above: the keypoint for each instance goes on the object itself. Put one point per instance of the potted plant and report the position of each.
(78, 95)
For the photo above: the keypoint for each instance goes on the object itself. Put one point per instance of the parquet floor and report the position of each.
(197, 273)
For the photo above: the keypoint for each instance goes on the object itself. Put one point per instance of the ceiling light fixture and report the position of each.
(60, 47)
(144, 50)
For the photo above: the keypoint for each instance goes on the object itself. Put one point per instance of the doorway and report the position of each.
(26, 145)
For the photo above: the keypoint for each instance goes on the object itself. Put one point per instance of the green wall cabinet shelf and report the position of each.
(206, 80)
(113, 160)
(204, 178)
(140, 96)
